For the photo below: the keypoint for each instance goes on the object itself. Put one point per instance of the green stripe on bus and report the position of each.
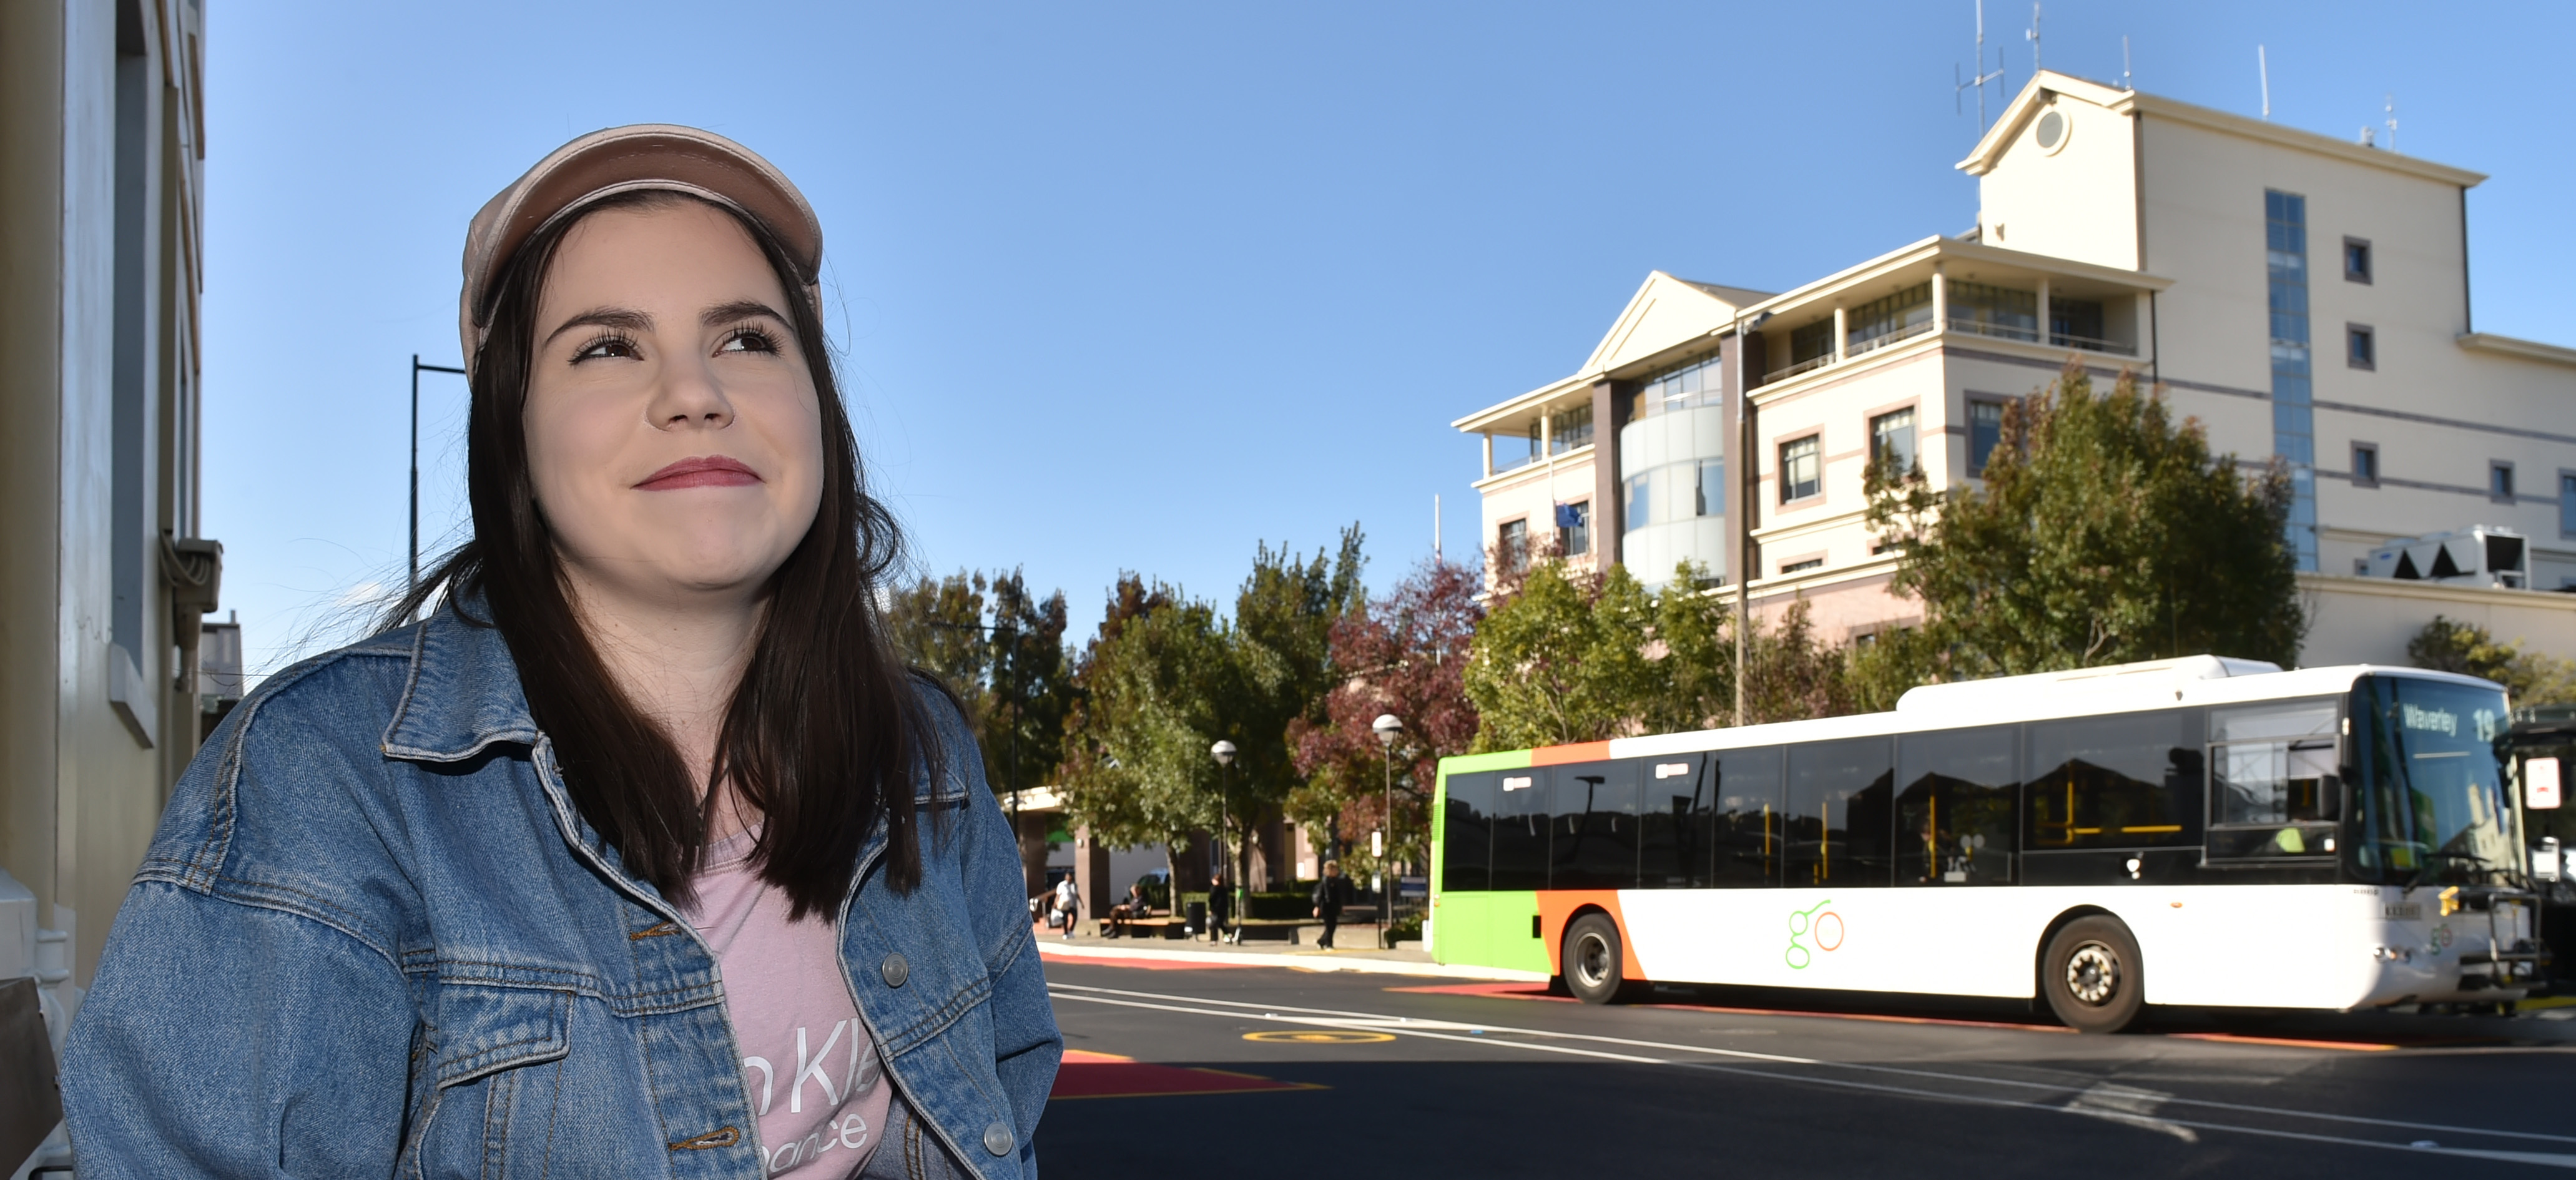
(1465, 763)
(1488, 930)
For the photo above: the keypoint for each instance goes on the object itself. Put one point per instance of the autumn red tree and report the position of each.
(1405, 654)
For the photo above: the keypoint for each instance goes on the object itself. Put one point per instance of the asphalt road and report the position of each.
(1245, 1073)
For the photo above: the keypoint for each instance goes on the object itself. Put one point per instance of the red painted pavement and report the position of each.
(1107, 1075)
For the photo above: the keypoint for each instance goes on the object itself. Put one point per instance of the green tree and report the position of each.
(1029, 689)
(1001, 650)
(2532, 678)
(1135, 763)
(1562, 658)
(2105, 533)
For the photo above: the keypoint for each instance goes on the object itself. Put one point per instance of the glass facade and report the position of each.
(1692, 384)
(2285, 223)
(1672, 473)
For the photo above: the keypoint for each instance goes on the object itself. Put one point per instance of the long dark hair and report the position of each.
(825, 730)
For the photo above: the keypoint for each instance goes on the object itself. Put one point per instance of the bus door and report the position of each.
(2542, 766)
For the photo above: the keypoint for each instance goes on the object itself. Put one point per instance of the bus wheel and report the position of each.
(2091, 975)
(1592, 961)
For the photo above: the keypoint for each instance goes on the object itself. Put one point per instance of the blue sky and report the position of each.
(1137, 287)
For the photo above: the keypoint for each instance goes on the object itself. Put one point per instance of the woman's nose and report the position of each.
(689, 394)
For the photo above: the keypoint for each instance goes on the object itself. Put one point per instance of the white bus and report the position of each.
(2199, 832)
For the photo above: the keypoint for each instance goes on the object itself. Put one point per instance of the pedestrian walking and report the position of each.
(1220, 910)
(1332, 892)
(1068, 905)
(631, 807)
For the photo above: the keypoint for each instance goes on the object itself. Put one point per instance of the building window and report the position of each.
(1801, 469)
(1712, 487)
(1566, 429)
(2500, 481)
(2567, 504)
(1985, 433)
(2294, 435)
(2074, 322)
(2365, 465)
(1511, 546)
(1810, 343)
(2356, 260)
(1574, 527)
(1812, 563)
(1881, 322)
(1514, 451)
(1891, 441)
(1694, 383)
(2360, 347)
(1635, 514)
(1994, 311)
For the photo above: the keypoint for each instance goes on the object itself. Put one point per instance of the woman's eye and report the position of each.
(606, 347)
(749, 340)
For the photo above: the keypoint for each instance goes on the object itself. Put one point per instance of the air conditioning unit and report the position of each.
(2480, 555)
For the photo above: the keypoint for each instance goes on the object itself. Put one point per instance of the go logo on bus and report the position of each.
(1826, 928)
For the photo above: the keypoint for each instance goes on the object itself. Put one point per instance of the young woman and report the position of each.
(642, 855)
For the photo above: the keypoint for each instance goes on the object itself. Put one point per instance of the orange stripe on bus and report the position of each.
(1578, 752)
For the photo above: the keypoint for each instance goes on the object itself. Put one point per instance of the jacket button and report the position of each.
(997, 1139)
(895, 971)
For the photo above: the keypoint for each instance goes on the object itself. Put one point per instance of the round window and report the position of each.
(2051, 132)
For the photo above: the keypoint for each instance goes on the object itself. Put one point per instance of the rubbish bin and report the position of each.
(1196, 913)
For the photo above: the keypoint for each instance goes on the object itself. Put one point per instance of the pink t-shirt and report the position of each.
(814, 1078)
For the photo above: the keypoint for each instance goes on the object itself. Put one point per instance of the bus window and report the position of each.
(2433, 809)
(1677, 810)
(1750, 823)
(1594, 841)
(1520, 830)
(1954, 813)
(2273, 789)
(1467, 831)
(2125, 781)
(1837, 821)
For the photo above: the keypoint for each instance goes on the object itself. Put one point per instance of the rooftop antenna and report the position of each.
(2125, 83)
(2033, 34)
(2392, 122)
(1983, 76)
(2263, 68)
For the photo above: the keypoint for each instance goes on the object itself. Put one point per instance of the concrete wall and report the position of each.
(2078, 200)
(100, 196)
(2368, 620)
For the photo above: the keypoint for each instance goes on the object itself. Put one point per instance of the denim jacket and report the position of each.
(373, 937)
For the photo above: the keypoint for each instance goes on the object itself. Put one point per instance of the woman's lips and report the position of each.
(711, 471)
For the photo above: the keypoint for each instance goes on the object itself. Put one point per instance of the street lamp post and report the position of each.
(1224, 754)
(413, 586)
(1387, 729)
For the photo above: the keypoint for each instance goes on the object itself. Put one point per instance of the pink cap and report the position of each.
(645, 156)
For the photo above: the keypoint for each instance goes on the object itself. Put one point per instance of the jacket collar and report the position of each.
(463, 693)
(463, 697)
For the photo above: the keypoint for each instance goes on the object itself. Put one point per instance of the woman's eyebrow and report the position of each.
(605, 317)
(739, 309)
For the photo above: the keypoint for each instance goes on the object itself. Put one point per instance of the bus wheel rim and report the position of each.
(2093, 974)
(1592, 960)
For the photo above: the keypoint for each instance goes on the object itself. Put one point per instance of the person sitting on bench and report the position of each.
(1129, 910)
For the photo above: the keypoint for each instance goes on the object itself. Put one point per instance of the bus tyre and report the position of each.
(2091, 975)
(1592, 961)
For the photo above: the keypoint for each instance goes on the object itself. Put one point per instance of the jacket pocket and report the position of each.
(482, 1030)
(496, 1071)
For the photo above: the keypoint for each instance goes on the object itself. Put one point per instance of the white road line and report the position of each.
(1425, 1029)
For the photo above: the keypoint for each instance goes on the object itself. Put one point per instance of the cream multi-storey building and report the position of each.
(2301, 296)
